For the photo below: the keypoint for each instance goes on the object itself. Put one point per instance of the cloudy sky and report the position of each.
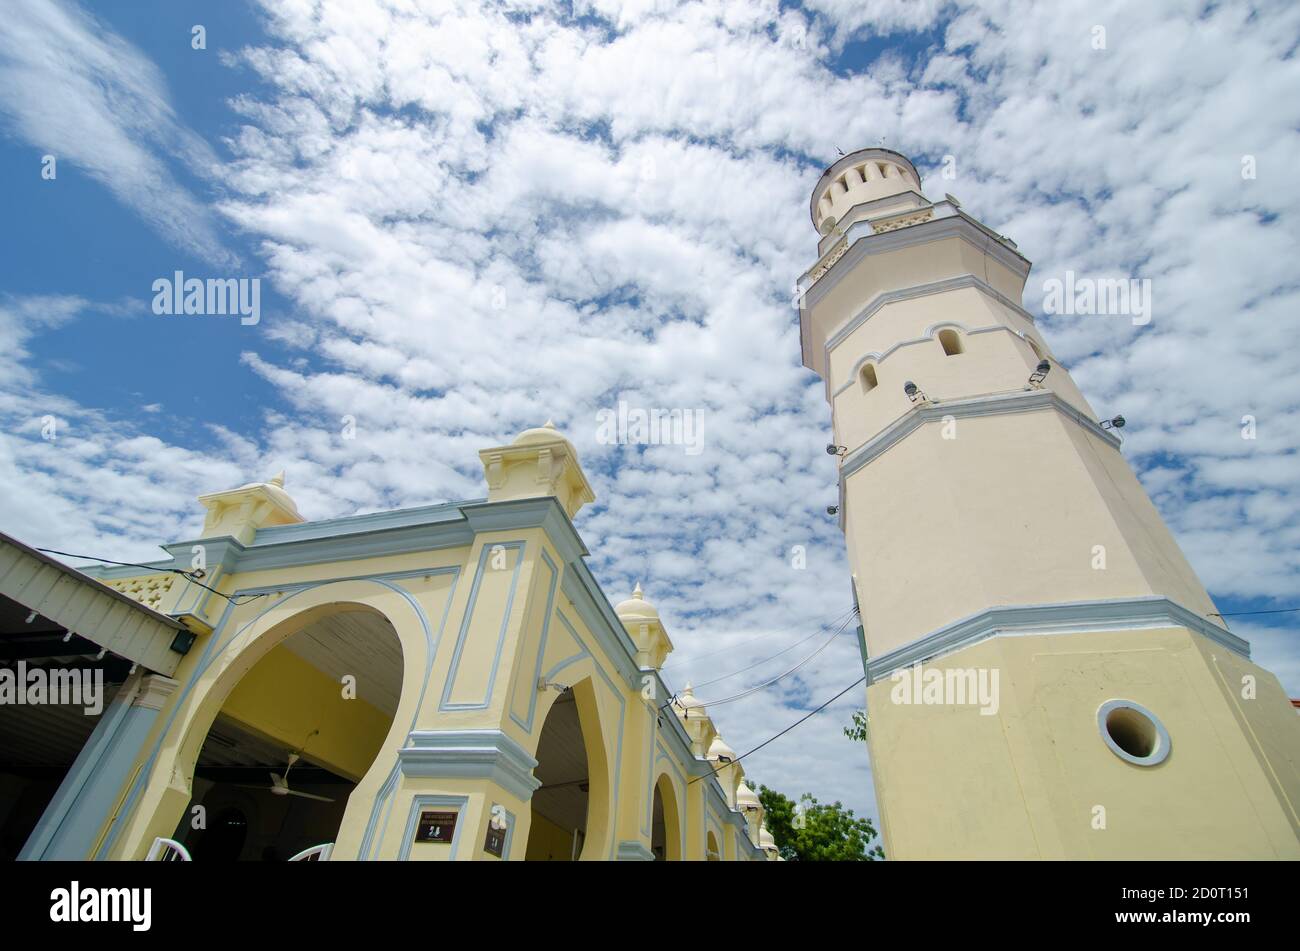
(468, 219)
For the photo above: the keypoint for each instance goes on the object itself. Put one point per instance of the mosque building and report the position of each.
(433, 683)
(1046, 676)
(1083, 697)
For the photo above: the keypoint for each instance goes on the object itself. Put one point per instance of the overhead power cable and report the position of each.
(785, 650)
(678, 662)
(779, 677)
(777, 736)
(1244, 613)
(191, 576)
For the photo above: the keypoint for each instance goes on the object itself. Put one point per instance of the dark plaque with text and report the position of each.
(436, 827)
(495, 842)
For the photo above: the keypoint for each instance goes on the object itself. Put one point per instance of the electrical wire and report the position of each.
(749, 640)
(759, 663)
(779, 677)
(777, 736)
(188, 575)
(1244, 613)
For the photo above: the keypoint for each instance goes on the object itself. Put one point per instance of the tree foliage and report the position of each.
(858, 731)
(809, 831)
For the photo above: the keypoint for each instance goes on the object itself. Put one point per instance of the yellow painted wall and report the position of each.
(1027, 782)
(268, 689)
(285, 699)
(547, 842)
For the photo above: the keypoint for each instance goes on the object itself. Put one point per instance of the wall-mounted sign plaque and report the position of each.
(495, 843)
(435, 827)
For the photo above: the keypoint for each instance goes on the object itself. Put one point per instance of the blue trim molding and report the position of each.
(1072, 617)
(1016, 401)
(446, 703)
(531, 686)
(470, 754)
(630, 850)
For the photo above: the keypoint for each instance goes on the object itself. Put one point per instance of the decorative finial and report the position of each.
(278, 479)
(550, 424)
(689, 691)
(637, 593)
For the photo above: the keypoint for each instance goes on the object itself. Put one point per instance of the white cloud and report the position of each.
(76, 90)
(486, 220)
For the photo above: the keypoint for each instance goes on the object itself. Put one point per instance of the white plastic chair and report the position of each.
(167, 850)
(317, 853)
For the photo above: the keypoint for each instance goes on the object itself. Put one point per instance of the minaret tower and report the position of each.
(1047, 677)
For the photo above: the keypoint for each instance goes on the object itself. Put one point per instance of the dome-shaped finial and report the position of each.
(278, 479)
(687, 701)
(636, 608)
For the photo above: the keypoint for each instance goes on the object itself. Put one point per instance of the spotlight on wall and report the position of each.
(832, 510)
(1115, 422)
(834, 450)
(1040, 373)
(543, 685)
(183, 641)
(914, 393)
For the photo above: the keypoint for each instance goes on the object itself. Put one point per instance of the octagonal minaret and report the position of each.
(997, 535)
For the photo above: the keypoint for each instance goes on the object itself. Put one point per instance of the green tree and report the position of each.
(858, 731)
(809, 831)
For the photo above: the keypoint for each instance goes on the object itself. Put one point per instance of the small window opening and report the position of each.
(869, 380)
(950, 342)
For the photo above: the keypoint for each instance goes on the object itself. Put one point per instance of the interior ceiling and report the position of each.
(230, 744)
(47, 734)
(562, 767)
(233, 753)
(360, 643)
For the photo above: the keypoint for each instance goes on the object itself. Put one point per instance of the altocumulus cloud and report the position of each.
(486, 215)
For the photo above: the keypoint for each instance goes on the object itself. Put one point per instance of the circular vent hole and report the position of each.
(1133, 733)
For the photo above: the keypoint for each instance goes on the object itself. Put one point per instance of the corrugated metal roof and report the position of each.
(87, 607)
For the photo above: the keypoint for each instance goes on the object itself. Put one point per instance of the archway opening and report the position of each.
(568, 808)
(868, 378)
(293, 738)
(665, 827)
(712, 852)
(950, 342)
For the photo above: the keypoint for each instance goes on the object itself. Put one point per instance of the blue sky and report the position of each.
(470, 218)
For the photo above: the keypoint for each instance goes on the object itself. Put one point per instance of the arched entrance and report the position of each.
(711, 851)
(293, 737)
(570, 807)
(665, 824)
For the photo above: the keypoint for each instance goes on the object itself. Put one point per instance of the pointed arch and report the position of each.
(666, 827)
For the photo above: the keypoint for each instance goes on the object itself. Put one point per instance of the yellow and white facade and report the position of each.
(450, 681)
(995, 531)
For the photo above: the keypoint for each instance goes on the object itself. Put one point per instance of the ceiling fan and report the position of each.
(280, 784)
